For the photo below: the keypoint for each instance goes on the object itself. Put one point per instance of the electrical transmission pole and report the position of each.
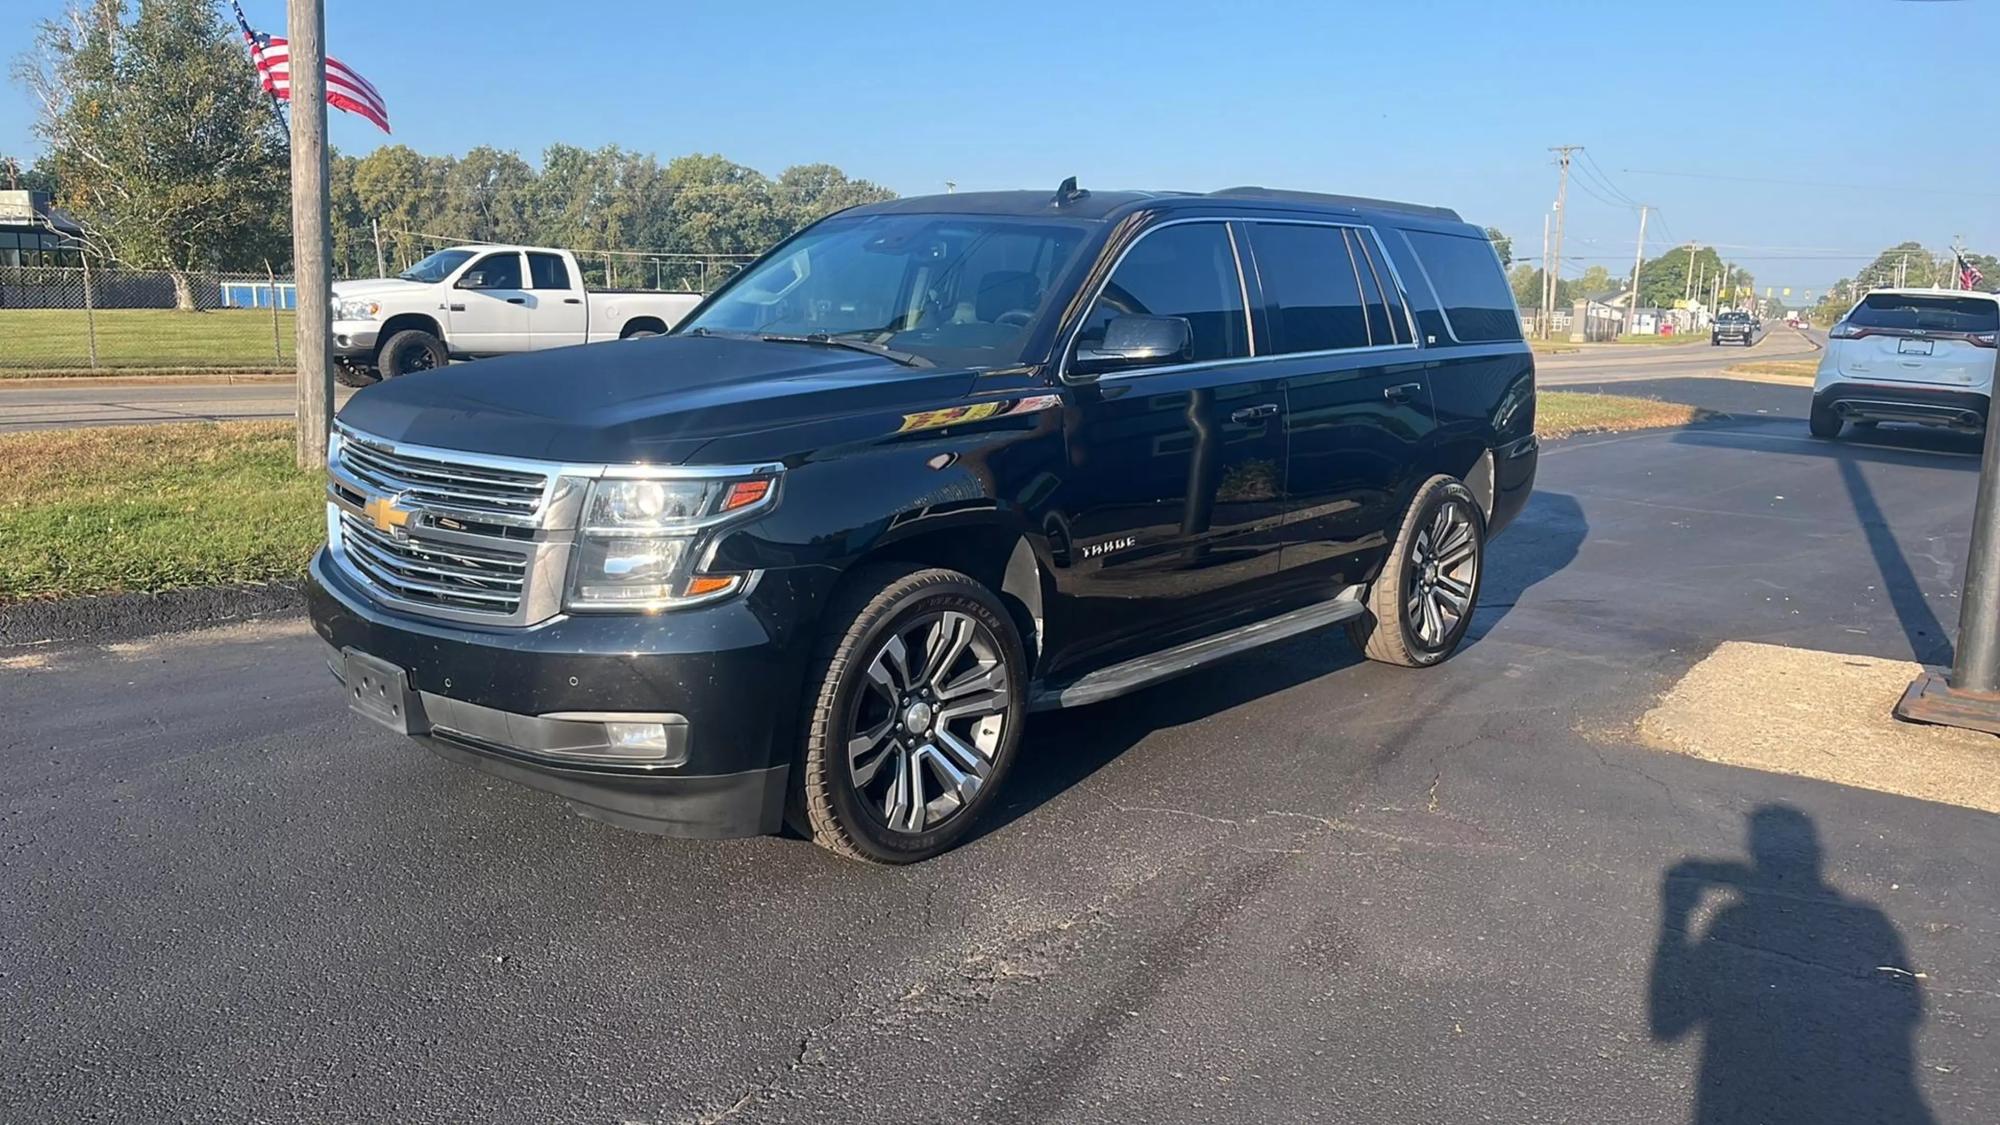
(1638, 259)
(312, 341)
(1562, 193)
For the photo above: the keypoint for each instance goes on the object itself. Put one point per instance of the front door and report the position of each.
(1170, 515)
(1360, 416)
(489, 306)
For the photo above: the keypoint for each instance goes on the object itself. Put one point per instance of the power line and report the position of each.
(1605, 181)
(1810, 183)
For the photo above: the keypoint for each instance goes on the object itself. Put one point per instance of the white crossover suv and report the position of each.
(1909, 355)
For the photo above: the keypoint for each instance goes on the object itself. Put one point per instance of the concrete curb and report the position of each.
(117, 617)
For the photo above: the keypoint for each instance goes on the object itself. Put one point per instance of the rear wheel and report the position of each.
(410, 351)
(354, 376)
(1422, 603)
(1824, 422)
(916, 708)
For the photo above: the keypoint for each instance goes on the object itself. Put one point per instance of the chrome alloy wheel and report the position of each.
(927, 721)
(1443, 572)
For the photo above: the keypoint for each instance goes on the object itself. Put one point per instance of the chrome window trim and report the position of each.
(1242, 277)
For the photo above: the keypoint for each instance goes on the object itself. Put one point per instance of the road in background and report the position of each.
(1293, 887)
(83, 402)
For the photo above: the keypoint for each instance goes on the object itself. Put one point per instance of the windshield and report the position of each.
(437, 267)
(956, 290)
(1733, 318)
(1916, 312)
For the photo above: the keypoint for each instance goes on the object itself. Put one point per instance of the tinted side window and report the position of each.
(502, 271)
(1312, 285)
(1417, 289)
(548, 271)
(1466, 274)
(1378, 286)
(1187, 270)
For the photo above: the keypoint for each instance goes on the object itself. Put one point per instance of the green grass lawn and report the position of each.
(1798, 370)
(113, 509)
(1657, 341)
(39, 341)
(1566, 413)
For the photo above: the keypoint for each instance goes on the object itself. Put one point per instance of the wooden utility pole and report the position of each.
(313, 326)
(381, 266)
(1638, 259)
(1555, 261)
(1542, 312)
(1687, 290)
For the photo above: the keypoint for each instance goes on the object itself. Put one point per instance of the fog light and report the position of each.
(645, 741)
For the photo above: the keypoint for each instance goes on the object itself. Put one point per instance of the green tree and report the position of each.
(1502, 245)
(169, 156)
(1595, 282)
(23, 175)
(1665, 281)
(403, 190)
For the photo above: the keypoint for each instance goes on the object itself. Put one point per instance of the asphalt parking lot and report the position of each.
(1294, 888)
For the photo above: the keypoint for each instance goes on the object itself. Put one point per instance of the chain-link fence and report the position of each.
(69, 320)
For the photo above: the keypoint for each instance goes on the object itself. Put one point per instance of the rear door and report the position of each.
(489, 306)
(1171, 512)
(557, 315)
(1936, 339)
(1359, 400)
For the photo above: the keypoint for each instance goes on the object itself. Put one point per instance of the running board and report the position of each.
(1143, 671)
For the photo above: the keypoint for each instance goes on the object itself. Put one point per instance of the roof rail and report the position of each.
(1355, 202)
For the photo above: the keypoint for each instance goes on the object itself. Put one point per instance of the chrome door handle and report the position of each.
(1252, 413)
(1402, 392)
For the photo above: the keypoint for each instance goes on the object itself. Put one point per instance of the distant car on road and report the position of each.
(1734, 328)
(469, 301)
(1909, 355)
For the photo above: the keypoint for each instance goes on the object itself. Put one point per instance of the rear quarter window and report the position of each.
(1923, 312)
(1465, 272)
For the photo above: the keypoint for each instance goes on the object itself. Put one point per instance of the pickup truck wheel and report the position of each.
(410, 350)
(1422, 602)
(638, 334)
(915, 712)
(354, 376)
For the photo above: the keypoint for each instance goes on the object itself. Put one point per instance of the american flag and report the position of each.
(345, 89)
(1968, 274)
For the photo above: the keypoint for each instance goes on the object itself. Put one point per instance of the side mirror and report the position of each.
(473, 279)
(1136, 341)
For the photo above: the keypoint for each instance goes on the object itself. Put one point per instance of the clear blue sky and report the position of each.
(1452, 102)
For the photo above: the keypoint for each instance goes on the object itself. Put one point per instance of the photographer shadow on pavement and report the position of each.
(1806, 1002)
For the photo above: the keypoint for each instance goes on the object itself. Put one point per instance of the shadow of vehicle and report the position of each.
(1541, 542)
(1805, 1000)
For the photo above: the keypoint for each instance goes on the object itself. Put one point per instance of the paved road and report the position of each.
(81, 402)
(87, 403)
(1295, 888)
(1611, 363)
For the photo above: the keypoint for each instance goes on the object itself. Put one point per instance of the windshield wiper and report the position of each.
(824, 340)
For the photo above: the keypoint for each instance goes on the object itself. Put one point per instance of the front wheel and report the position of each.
(915, 713)
(410, 351)
(1422, 602)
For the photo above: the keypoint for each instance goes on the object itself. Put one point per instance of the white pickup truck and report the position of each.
(470, 301)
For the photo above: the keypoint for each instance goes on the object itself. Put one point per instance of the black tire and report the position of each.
(858, 694)
(409, 351)
(1387, 632)
(354, 376)
(1823, 422)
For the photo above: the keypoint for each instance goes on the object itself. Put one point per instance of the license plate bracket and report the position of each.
(380, 691)
(1913, 347)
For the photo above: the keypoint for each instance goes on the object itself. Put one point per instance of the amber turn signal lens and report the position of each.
(744, 493)
(702, 584)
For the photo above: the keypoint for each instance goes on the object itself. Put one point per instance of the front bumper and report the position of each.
(355, 339)
(726, 680)
(1904, 402)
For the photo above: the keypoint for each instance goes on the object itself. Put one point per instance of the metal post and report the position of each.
(89, 308)
(312, 340)
(381, 266)
(277, 349)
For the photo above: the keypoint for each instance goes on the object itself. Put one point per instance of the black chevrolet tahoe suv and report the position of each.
(924, 468)
(1734, 328)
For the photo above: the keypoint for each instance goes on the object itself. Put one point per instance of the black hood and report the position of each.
(651, 401)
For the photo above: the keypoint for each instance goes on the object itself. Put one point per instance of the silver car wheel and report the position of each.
(1443, 572)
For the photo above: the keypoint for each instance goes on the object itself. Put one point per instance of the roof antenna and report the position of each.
(1068, 193)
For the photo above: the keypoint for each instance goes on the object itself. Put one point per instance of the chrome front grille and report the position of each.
(425, 481)
(435, 573)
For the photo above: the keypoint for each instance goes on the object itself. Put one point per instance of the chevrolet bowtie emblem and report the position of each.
(384, 514)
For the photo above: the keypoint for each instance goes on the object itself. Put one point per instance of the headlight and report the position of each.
(351, 308)
(643, 541)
